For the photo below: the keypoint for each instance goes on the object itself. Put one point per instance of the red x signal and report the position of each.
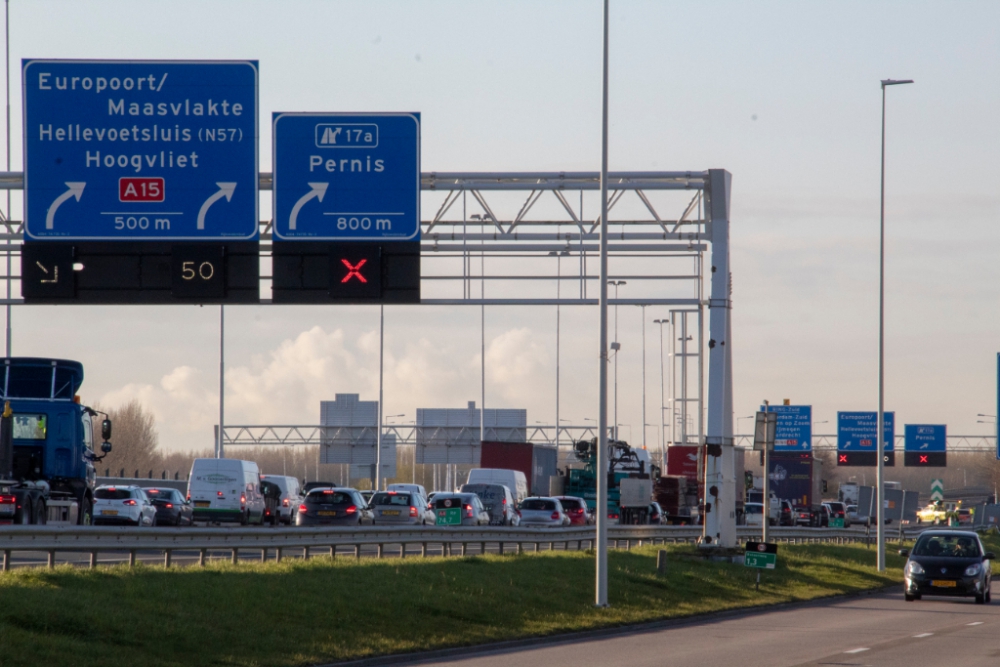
(923, 458)
(354, 271)
(843, 458)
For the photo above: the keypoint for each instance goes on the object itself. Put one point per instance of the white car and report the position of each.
(543, 511)
(122, 506)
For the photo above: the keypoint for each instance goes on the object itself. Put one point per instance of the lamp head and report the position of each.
(895, 82)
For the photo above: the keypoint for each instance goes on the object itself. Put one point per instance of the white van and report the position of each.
(291, 496)
(512, 479)
(226, 490)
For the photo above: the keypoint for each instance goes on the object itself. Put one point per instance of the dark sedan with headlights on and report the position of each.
(336, 506)
(172, 509)
(947, 562)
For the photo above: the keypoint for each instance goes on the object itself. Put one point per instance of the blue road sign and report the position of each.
(926, 437)
(794, 430)
(346, 177)
(856, 431)
(140, 150)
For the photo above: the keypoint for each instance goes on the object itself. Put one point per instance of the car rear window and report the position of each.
(391, 499)
(113, 494)
(445, 503)
(330, 497)
(947, 546)
(754, 509)
(161, 494)
(570, 503)
(538, 504)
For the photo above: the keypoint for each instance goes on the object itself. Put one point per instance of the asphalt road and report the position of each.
(877, 631)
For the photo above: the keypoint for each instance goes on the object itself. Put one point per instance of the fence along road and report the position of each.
(405, 541)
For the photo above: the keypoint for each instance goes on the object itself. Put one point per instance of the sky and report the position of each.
(784, 95)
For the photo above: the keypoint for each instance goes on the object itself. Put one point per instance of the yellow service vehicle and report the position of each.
(937, 513)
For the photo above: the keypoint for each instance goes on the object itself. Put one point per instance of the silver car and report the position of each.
(459, 509)
(543, 511)
(395, 508)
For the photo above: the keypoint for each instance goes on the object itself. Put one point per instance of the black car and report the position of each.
(336, 506)
(172, 509)
(947, 562)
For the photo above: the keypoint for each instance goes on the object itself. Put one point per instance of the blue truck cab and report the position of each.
(47, 442)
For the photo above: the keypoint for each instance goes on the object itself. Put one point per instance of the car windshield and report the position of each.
(113, 494)
(947, 546)
(391, 499)
(538, 504)
(327, 496)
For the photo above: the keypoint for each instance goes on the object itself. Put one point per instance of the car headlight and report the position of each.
(973, 570)
(913, 567)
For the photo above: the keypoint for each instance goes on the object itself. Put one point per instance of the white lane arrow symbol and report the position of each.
(55, 270)
(75, 190)
(225, 190)
(318, 191)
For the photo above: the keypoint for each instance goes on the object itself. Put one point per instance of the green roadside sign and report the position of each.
(836, 523)
(764, 561)
(761, 555)
(449, 517)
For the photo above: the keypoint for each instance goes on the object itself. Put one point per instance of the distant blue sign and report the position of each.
(794, 429)
(926, 437)
(346, 177)
(140, 150)
(857, 431)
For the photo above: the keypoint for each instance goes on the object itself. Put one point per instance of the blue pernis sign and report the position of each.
(857, 431)
(793, 432)
(140, 150)
(926, 437)
(346, 177)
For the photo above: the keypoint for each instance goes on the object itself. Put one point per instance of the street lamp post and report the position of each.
(601, 560)
(643, 308)
(880, 435)
(558, 255)
(616, 346)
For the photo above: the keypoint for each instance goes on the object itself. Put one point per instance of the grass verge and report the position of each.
(301, 613)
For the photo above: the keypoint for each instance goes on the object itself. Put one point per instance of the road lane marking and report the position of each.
(923, 634)
(975, 623)
(856, 650)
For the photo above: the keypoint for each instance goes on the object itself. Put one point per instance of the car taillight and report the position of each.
(413, 511)
(170, 506)
(351, 509)
(243, 498)
(189, 496)
(7, 500)
(303, 509)
(285, 502)
(577, 511)
(129, 502)
(468, 510)
(612, 516)
(504, 501)
(555, 515)
(220, 494)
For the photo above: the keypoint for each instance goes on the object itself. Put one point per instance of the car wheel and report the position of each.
(908, 597)
(989, 596)
(981, 599)
(937, 522)
(245, 519)
(26, 515)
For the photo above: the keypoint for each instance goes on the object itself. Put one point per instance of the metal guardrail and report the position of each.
(94, 540)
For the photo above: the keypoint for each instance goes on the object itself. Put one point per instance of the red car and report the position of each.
(576, 510)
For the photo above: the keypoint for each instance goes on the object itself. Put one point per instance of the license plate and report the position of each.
(7, 509)
(109, 512)
(326, 513)
(390, 512)
(202, 503)
(943, 584)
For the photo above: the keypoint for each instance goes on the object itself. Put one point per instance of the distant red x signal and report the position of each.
(843, 458)
(354, 271)
(923, 458)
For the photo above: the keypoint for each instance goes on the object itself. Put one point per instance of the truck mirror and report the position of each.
(106, 429)
(105, 447)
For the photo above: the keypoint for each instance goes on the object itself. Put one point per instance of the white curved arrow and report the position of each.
(75, 190)
(318, 191)
(225, 190)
